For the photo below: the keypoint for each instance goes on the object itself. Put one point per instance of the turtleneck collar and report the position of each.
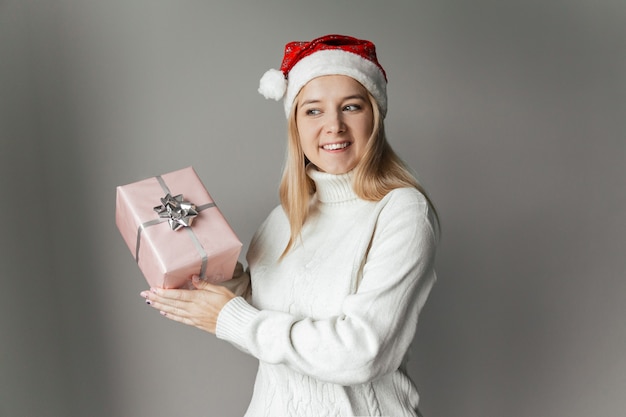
(331, 188)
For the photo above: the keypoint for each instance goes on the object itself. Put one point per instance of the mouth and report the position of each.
(335, 146)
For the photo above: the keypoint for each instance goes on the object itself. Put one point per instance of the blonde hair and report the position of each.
(379, 171)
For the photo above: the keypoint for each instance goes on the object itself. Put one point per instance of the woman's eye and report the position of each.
(312, 112)
(352, 107)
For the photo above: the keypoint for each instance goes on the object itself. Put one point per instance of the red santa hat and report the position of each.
(327, 55)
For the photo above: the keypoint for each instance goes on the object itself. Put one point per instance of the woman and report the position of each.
(339, 272)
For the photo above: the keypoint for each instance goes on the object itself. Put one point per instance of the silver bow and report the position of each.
(179, 213)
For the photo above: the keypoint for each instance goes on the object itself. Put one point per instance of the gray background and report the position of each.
(512, 113)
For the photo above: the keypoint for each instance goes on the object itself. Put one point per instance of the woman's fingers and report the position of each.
(171, 294)
(170, 301)
(199, 307)
(207, 286)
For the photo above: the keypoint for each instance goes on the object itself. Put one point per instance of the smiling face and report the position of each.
(335, 121)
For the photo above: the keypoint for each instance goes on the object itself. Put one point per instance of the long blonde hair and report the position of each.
(379, 171)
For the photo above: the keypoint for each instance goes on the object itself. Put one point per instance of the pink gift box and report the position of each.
(168, 258)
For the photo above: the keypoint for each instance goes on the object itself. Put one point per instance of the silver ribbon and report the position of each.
(179, 214)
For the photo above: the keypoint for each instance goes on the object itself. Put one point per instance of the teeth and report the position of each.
(335, 146)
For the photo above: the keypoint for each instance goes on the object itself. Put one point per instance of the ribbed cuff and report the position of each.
(233, 320)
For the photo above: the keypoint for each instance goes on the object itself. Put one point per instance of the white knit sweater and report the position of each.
(332, 322)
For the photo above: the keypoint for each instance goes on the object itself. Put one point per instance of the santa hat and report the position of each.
(327, 55)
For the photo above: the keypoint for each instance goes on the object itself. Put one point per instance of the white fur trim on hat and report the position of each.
(336, 62)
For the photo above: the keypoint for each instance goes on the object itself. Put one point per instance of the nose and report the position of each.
(335, 123)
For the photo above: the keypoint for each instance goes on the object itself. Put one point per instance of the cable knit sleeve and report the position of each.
(371, 336)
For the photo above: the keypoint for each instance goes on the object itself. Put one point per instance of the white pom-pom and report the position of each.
(273, 84)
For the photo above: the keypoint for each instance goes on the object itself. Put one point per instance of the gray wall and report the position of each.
(512, 113)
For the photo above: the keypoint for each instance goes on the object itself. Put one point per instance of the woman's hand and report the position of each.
(198, 308)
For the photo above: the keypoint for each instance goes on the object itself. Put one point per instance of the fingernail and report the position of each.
(148, 302)
(144, 294)
(163, 313)
(153, 290)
